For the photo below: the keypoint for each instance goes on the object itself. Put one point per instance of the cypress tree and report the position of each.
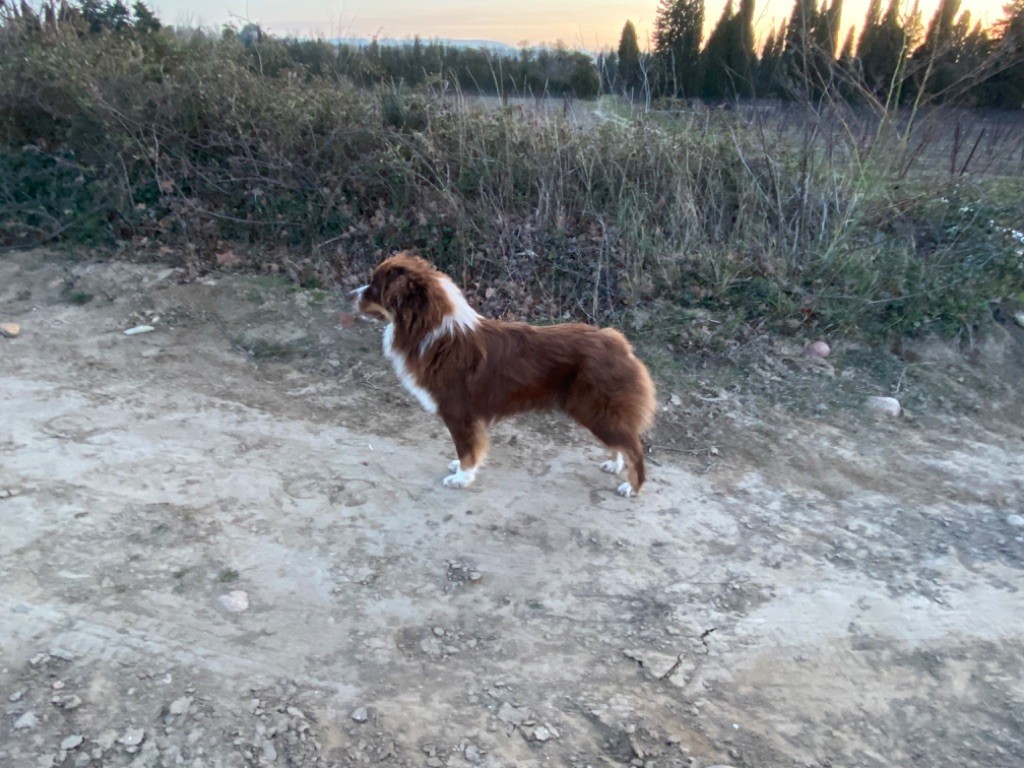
(882, 48)
(769, 67)
(744, 52)
(717, 78)
(1005, 88)
(729, 56)
(629, 59)
(935, 69)
(678, 30)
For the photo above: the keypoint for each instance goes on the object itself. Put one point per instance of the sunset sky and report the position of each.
(590, 24)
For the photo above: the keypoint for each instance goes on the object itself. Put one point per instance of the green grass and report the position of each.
(80, 298)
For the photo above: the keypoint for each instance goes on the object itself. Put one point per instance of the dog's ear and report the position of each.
(402, 292)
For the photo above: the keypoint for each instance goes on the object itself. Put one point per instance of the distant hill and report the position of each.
(491, 45)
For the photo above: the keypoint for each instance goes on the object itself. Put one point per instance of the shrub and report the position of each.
(182, 138)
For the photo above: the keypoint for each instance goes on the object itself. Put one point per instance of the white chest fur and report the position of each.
(404, 374)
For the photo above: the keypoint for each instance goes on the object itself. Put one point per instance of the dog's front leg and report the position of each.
(470, 439)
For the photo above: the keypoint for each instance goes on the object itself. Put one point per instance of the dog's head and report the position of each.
(404, 290)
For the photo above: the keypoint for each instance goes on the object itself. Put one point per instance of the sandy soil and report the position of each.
(798, 586)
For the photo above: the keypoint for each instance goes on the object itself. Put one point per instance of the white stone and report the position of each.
(817, 349)
(180, 706)
(132, 737)
(235, 601)
(888, 406)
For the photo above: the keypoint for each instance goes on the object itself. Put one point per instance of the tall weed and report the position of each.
(177, 139)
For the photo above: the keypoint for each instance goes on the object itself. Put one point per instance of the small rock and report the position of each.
(132, 737)
(16, 696)
(235, 601)
(817, 349)
(360, 715)
(675, 400)
(513, 715)
(106, 739)
(472, 753)
(180, 706)
(67, 702)
(1017, 521)
(1018, 318)
(10, 330)
(26, 721)
(888, 406)
(269, 752)
(439, 631)
(540, 733)
(139, 329)
(71, 742)
(296, 712)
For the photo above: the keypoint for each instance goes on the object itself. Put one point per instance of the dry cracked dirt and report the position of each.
(224, 542)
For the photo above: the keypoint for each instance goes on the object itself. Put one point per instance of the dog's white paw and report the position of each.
(454, 466)
(614, 466)
(460, 479)
(626, 490)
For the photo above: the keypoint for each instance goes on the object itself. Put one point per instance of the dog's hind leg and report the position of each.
(637, 471)
(624, 444)
(471, 444)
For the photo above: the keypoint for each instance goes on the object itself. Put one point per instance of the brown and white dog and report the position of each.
(471, 370)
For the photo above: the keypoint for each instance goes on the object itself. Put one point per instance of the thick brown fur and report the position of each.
(480, 370)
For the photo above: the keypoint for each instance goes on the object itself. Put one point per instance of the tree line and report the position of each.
(893, 59)
(554, 70)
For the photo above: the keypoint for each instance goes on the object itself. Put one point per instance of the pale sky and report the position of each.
(589, 24)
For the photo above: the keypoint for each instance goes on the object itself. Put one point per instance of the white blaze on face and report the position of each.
(357, 298)
(404, 374)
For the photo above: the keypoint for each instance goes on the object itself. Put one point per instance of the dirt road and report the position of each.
(851, 596)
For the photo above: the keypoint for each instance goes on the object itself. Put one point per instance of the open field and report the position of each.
(800, 585)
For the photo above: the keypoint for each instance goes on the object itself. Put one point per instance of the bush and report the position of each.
(172, 138)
